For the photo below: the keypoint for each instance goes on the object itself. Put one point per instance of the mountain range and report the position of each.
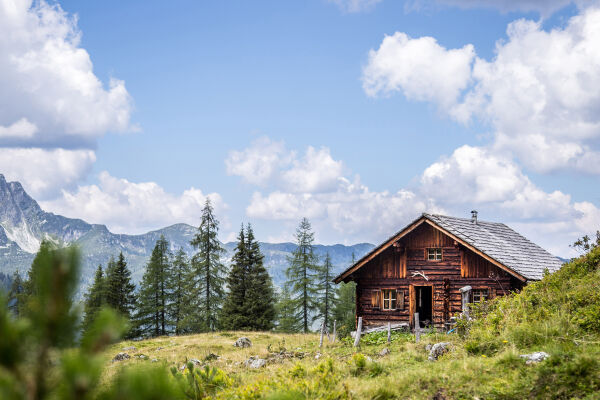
(23, 226)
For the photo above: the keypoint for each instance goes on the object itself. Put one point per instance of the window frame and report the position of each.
(480, 292)
(390, 298)
(435, 254)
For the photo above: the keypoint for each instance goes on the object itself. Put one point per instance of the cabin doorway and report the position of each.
(422, 303)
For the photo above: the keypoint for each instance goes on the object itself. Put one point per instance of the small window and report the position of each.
(434, 254)
(389, 299)
(479, 295)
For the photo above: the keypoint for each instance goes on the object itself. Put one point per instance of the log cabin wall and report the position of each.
(401, 266)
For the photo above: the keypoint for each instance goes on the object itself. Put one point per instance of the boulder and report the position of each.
(536, 357)
(255, 362)
(243, 342)
(384, 352)
(438, 349)
(121, 356)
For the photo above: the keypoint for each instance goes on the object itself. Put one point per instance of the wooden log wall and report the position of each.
(394, 268)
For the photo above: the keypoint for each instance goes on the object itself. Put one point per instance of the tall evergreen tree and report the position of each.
(345, 305)
(178, 288)
(287, 319)
(234, 314)
(95, 298)
(302, 275)
(208, 273)
(120, 291)
(15, 294)
(327, 292)
(151, 315)
(260, 296)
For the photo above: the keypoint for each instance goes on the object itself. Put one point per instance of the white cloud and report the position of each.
(128, 207)
(43, 171)
(269, 164)
(20, 129)
(48, 80)
(540, 93)
(355, 6)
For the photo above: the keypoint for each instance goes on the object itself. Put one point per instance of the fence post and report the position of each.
(358, 332)
(389, 332)
(417, 328)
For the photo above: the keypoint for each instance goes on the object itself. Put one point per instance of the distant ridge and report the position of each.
(23, 225)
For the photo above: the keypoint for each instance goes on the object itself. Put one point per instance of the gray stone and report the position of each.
(142, 357)
(536, 357)
(317, 356)
(154, 360)
(243, 342)
(384, 352)
(195, 361)
(438, 349)
(121, 357)
(255, 362)
(130, 348)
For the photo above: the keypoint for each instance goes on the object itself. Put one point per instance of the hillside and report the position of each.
(23, 225)
(559, 315)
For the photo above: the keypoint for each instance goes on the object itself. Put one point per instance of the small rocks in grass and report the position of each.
(384, 352)
(130, 348)
(255, 363)
(195, 361)
(154, 360)
(142, 357)
(243, 342)
(536, 357)
(211, 356)
(121, 356)
(438, 349)
(317, 356)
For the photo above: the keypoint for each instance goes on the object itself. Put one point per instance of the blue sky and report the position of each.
(279, 109)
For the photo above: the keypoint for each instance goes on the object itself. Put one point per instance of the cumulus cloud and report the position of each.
(43, 171)
(128, 207)
(355, 6)
(48, 82)
(269, 164)
(540, 93)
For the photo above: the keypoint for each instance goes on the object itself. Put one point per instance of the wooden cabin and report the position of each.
(422, 269)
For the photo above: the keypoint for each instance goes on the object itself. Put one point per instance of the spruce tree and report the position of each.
(260, 298)
(95, 298)
(151, 315)
(208, 273)
(178, 289)
(234, 315)
(120, 290)
(15, 294)
(345, 305)
(302, 274)
(327, 291)
(287, 320)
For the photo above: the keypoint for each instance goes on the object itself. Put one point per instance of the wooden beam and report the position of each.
(478, 252)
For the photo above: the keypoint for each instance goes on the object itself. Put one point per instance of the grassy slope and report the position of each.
(559, 315)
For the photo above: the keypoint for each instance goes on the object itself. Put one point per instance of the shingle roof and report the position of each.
(502, 244)
(494, 239)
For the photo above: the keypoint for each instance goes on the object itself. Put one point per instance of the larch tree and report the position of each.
(120, 291)
(327, 292)
(178, 288)
(208, 273)
(302, 274)
(95, 298)
(153, 296)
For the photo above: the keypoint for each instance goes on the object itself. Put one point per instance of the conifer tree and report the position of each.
(327, 291)
(287, 320)
(234, 314)
(345, 305)
(95, 298)
(208, 273)
(260, 298)
(178, 287)
(302, 273)
(151, 315)
(15, 294)
(120, 290)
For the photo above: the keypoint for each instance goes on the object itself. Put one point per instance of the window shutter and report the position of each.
(375, 298)
(400, 299)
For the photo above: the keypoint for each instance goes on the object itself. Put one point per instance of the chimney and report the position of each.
(474, 216)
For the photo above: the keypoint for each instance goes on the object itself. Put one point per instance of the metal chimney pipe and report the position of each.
(474, 216)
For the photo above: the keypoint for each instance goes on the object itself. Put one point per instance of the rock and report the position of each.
(130, 348)
(195, 361)
(154, 360)
(428, 347)
(384, 352)
(536, 357)
(142, 357)
(243, 342)
(438, 349)
(255, 362)
(121, 357)
(211, 356)
(317, 356)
